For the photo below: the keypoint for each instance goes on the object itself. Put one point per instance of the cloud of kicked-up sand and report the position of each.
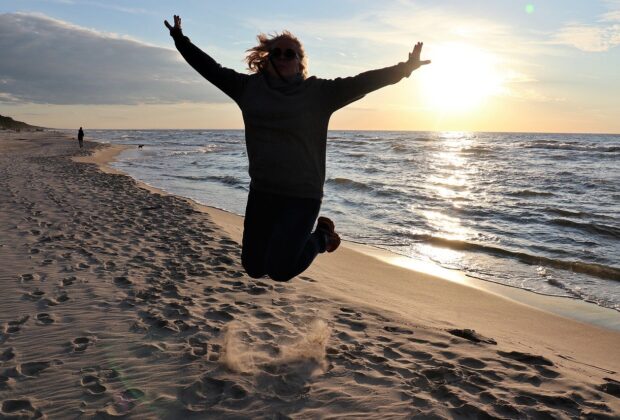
(306, 351)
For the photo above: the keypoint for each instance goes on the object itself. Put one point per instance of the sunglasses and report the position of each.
(287, 54)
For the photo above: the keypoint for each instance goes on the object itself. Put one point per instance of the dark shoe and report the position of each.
(332, 239)
(323, 223)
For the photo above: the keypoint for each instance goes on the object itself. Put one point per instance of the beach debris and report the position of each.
(472, 335)
(526, 358)
(611, 387)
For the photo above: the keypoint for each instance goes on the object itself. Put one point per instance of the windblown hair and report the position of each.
(257, 57)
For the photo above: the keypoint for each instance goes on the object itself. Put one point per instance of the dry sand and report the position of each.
(120, 301)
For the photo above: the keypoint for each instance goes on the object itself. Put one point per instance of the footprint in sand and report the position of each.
(197, 347)
(92, 385)
(219, 315)
(7, 355)
(44, 303)
(93, 378)
(538, 363)
(125, 401)
(80, 344)
(5, 382)
(354, 325)
(20, 409)
(44, 318)
(33, 368)
(470, 362)
(14, 326)
(63, 297)
(208, 392)
(34, 295)
(68, 281)
(28, 277)
(122, 281)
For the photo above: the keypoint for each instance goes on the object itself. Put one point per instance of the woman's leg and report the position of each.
(293, 245)
(260, 213)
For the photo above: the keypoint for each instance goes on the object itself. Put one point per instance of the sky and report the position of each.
(540, 66)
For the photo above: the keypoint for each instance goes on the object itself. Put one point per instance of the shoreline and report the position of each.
(571, 308)
(122, 301)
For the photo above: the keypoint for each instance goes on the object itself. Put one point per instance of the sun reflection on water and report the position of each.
(451, 182)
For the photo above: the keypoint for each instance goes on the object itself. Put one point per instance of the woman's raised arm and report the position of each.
(227, 80)
(342, 91)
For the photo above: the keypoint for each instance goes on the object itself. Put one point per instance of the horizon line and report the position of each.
(348, 129)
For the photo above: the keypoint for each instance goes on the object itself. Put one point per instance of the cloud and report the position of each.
(45, 60)
(590, 38)
(598, 37)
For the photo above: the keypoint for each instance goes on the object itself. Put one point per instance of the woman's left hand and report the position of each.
(414, 61)
(176, 29)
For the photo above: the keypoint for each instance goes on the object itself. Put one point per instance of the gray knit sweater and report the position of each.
(286, 123)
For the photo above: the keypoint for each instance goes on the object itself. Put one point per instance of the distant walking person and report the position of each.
(81, 137)
(286, 114)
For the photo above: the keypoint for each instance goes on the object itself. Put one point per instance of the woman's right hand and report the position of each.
(176, 29)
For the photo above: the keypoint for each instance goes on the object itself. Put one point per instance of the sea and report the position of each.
(539, 212)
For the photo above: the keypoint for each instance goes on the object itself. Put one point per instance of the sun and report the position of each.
(460, 78)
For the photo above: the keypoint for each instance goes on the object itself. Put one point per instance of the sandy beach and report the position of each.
(120, 300)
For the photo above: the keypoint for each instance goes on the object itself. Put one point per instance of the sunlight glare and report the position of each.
(460, 78)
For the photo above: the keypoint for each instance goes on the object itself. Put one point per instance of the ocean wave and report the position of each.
(395, 192)
(567, 213)
(211, 148)
(350, 184)
(477, 150)
(592, 269)
(188, 177)
(399, 147)
(598, 228)
(226, 179)
(354, 154)
(530, 193)
(552, 145)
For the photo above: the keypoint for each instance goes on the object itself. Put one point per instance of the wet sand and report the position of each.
(118, 300)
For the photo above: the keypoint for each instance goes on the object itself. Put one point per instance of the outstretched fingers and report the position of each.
(414, 56)
(177, 23)
(417, 51)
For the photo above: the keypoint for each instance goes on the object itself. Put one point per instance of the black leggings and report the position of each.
(277, 235)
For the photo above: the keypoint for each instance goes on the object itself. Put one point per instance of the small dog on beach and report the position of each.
(140, 146)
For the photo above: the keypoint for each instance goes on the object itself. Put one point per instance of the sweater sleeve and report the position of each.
(340, 92)
(227, 80)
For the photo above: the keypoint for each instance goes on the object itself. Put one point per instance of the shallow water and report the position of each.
(535, 211)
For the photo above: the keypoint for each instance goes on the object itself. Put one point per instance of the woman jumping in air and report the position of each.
(286, 114)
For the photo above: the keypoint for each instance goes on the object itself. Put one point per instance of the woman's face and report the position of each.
(287, 65)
